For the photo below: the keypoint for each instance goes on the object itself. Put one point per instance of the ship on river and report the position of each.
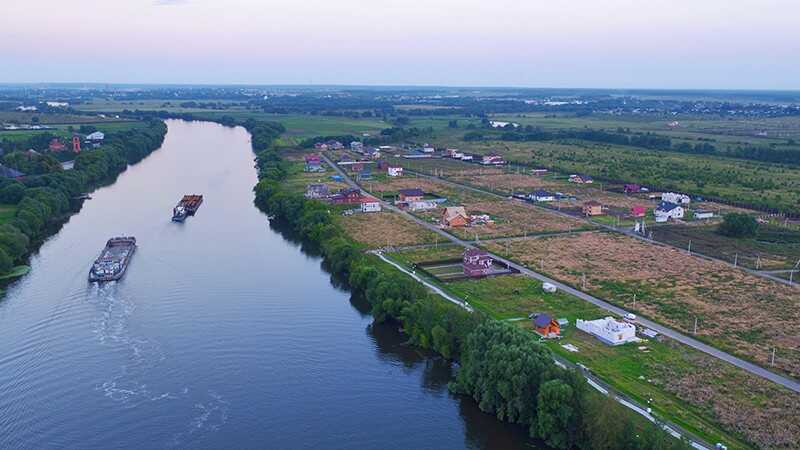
(188, 205)
(113, 260)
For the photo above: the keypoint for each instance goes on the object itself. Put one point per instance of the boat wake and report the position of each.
(210, 416)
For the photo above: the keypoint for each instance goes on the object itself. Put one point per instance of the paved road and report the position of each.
(787, 382)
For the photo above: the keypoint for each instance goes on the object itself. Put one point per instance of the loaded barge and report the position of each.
(188, 205)
(113, 260)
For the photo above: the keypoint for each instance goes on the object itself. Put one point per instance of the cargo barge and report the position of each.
(188, 205)
(113, 260)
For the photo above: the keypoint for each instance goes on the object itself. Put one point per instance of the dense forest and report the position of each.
(46, 194)
(503, 368)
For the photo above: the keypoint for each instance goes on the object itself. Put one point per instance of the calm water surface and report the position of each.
(223, 334)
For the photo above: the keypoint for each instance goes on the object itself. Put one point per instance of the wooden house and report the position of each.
(592, 208)
(454, 216)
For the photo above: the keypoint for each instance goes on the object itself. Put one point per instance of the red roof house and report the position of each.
(56, 145)
(638, 211)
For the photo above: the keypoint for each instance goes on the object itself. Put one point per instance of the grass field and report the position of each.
(737, 312)
(385, 228)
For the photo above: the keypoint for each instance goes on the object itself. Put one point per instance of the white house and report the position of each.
(666, 211)
(500, 124)
(96, 136)
(541, 196)
(674, 197)
(394, 171)
(370, 205)
(492, 159)
(428, 149)
(356, 146)
(609, 330)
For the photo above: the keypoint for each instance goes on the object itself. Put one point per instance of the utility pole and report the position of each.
(735, 260)
(689, 250)
(695, 324)
(541, 264)
(772, 363)
(758, 262)
(634, 300)
(584, 282)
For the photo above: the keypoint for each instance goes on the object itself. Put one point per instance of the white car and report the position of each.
(630, 317)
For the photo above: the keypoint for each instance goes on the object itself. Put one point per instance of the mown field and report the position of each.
(737, 312)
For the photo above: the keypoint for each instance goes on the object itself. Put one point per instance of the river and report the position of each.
(223, 333)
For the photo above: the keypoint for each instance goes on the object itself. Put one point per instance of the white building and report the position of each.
(356, 146)
(674, 197)
(542, 196)
(27, 108)
(96, 136)
(428, 149)
(421, 205)
(701, 214)
(394, 171)
(609, 330)
(666, 211)
(370, 205)
(499, 124)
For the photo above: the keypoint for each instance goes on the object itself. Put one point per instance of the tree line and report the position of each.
(646, 140)
(46, 196)
(503, 367)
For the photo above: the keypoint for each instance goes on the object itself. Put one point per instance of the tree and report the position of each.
(556, 414)
(6, 264)
(738, 225)
(453, 124)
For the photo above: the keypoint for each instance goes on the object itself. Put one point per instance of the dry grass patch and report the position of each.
(739, 312)
(386, 229)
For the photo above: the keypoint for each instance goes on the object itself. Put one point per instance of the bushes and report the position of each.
(738, 225)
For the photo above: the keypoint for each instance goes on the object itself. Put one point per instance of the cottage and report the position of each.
(313, 163)
(631, 187)
(394, 171)
(454, 216)
(334, 145)
(356, 146)
(546, 326)
(609, 330)
(410, 195)
(56, 145)
(638, 211)
(702, 214)
(674, 197)
(371, 153)
(477, 263)
(666, 211)
(370, 204)
(453, 153)
(97, 136)
(580, 179)
(316, 191)
(541, 196)
(8, 172)
(347, 197)
(492, 160)
(592, 208)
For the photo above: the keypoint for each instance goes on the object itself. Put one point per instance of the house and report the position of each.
(592, 208)
(8, 172)
(410, 195)
(631, 187)
(347, 196)
(97, 136)
(56, 145)
(454, 153)
(492, 160)
(334, 145)
(541, 196)
(317, 191)
(394, 171)
(454, 216)
(702, 214)
(321, 146)
(477, 263)
(674, 197)
(580, 179)
(420, 205)
(666, 211)
(356, 146)
(500, 124)
(428, 149)
(538, 172)
(370, 204)
(313, 163)
(638, 211)
(371, 153)
(546, 326)
(609, 330)
(356, 167)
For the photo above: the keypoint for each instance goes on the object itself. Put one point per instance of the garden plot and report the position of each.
(738, 312)
(386, 228)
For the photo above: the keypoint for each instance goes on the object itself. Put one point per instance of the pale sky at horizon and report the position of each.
(703, 44)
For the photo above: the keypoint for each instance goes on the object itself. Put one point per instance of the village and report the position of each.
(569, 228)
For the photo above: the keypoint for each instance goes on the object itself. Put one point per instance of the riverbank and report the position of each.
(43, 202)
(552, 403)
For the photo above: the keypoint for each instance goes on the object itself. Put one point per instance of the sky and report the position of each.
(675, 44)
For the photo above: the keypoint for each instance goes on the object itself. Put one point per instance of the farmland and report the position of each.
(385, 229)
(736, 311)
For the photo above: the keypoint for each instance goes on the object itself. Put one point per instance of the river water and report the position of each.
(223, 333)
